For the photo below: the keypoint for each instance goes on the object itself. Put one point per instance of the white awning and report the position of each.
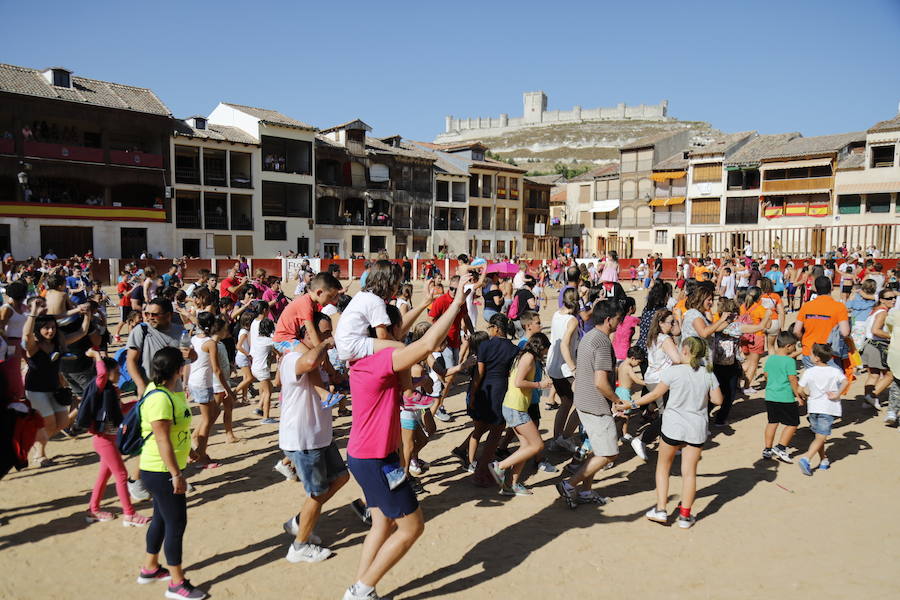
(795, 164)
(796, 192)
(604, 206)
(869, 188)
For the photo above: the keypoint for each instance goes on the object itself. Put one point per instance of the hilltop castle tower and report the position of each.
(535, 113)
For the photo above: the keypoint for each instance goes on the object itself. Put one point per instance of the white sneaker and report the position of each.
(782, 455)
(872, 401)
(137, 490)
(890, 418)
(639, 448)
(547, 467)
(657, 515)
(285, 470)
(351, 594)
(291, 526)
(308, 552)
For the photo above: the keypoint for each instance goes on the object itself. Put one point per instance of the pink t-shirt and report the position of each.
(375, 432)
(623, 335)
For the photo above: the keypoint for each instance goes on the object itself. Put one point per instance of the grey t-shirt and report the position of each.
(156, 340)
(685, 418)
(595, 353)
(687, 323)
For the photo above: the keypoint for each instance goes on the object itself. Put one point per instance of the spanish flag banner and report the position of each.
(819, 210)
(795, 210)
(771, 212)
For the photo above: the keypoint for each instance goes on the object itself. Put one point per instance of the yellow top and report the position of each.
(516, 398)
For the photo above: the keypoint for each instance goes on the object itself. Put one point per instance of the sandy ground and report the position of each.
(763, 528)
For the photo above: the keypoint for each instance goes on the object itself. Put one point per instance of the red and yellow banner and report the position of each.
(30, 210)
(771, 212)
(819, 210)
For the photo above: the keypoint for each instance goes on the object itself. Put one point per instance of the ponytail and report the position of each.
(697, 348)
(206, 322)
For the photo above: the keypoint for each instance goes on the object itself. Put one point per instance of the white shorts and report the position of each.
(241, 360)
(262, 375)
(354, 348)
(601, 431)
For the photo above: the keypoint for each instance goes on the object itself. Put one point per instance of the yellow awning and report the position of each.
(675, 200)
(667, 175)
(658, 202)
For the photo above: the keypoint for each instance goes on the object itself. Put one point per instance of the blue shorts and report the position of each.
(286, 346)
(201, 395)
(393, 503)
(317, 468)
(409, 420)
(820, 424)
(514, 417)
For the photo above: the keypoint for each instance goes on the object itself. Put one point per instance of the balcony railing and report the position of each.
(215, 221)
(64, 152)
(187, 175)
(242, 223)
(241, 182)
(81, 211)
(793, 185)
(187, 220)
(457, 197)
(214, 177)
(456, 225)
(137, 159)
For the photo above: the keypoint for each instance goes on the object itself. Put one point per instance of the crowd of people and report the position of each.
(612, 378)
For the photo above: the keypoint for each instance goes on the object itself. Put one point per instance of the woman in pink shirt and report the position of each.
(377, 382)
(625, 330)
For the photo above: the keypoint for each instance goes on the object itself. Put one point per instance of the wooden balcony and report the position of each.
(33, 210)
(136, 159)
(774, 186)
(64, 152)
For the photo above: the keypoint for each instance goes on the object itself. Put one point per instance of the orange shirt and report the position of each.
(292, 317)
(757, 314)
(819, 318)
(681, 306)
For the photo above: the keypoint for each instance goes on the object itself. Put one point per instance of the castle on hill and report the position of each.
(535, 114)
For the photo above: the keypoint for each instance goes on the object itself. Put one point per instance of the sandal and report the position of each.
(135, 520)
(95, 516)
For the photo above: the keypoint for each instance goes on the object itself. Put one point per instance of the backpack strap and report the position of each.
(169, 396)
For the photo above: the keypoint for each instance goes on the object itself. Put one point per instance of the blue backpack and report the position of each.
(126, 383)
(129, 439)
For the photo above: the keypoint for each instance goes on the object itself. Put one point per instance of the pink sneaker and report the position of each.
(160, 574)
(418, 401)
(135, 520)
(94, 516)
(184, 590)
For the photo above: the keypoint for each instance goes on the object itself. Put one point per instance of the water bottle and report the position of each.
(185, 340)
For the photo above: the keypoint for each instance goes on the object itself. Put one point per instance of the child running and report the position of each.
(684, 426)
(782, 392)
(822, 383)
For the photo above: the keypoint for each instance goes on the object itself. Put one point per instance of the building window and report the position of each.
(473, 217)
(512, 222)
(286, 156)
(442, 193)
(850, 204)
(458, 219)
(882, 156)
(358, 244)
(6, 239)
(419, 243)
(501, 219)
(743, 179)
(629, 162)
(705, 212)
(501, 186)
(303, 246)
(187, 165)
(629, 190)
(529, 244)
(878, 203)
(513, 187)
(459, 191)
(442, 219)
(501, 247)
(662, 236)
(486, 185)
(707, 173)
(286, 199)
(62, 78)
(486, 217)
(473, 186)
(190, 247)
(377, 243)
(742, 210)
(276, 230)
(485, 246)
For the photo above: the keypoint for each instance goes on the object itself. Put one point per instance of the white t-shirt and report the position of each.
(201, 371)
(519, 280)
(254, 330)
(820, 381)
(728, 284)
(240, 358)
(224, 366)
(259, 353)
(556, 364)
(303, 424)
(470, 304)
(330, 310)
(364, 311)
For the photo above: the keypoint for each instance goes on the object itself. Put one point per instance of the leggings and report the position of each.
(169, 516)
(111, 464)
(728, 377)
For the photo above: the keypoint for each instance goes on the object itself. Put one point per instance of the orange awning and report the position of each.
(658, 202)
(675, 200)
(667, 175)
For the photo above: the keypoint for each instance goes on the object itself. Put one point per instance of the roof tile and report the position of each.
(272, 117)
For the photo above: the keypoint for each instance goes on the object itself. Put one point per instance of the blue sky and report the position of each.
(819, 67)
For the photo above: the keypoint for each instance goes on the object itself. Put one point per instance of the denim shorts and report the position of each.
(201, 395)
(317, 468)
(514, 417)
(409, 420)
(369, 474)
(820, 423)
(285, 346)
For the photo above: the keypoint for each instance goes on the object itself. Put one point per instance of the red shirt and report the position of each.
(226, 283)
(439, 307)
(124, 290)
(292, 317)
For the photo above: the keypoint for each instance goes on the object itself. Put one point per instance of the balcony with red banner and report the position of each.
(62, 152)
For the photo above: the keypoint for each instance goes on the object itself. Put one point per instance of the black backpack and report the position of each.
(128, 439)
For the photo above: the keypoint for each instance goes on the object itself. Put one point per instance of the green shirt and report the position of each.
(778, 387)
(158, 406)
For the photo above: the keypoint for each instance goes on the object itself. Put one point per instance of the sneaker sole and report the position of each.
(133, 524)
(175, 596)
(663, 520)
(307, 560)
(683, 525)
(146, 580)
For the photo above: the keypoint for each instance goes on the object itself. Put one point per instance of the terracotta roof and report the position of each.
(650, 140)
(559, 197)
(221, 133)
(760, 146)
(407, 150)
(551, 179)
(853, 160)
(31, 82)
(358, 124)
(889, 125)
(270, 117)
(598, 172)
(490, 163)
(812, 146)
(676, 162)
(721, 145)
